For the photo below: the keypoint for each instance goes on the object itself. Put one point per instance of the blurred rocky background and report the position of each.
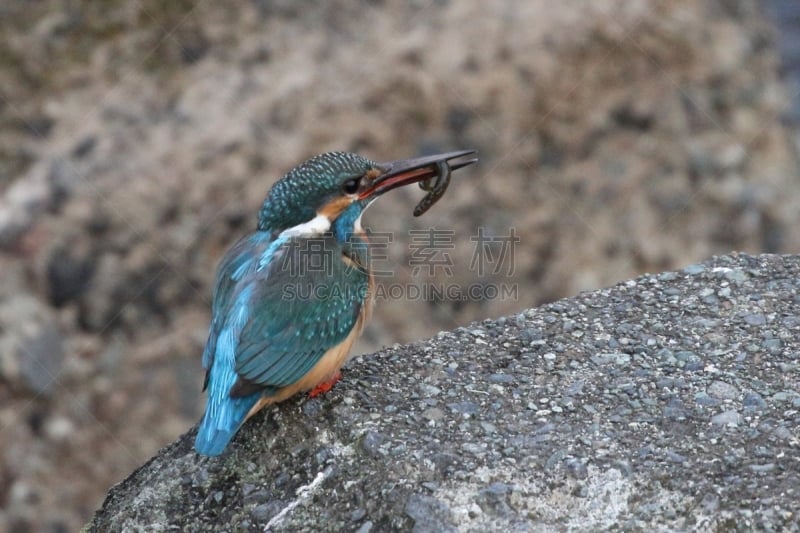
(137, 140)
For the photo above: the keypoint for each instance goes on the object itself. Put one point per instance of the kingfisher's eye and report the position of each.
(351, 186)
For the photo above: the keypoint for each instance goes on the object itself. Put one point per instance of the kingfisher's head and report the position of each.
(332, 190)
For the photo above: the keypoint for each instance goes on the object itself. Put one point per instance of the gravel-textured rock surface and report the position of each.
(668, 402)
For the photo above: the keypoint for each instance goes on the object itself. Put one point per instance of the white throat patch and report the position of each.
(314, 227)
(357, 227)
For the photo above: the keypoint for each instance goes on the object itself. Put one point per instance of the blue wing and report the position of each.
(279, 305)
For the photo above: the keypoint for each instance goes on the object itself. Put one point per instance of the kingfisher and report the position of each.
(291, 298)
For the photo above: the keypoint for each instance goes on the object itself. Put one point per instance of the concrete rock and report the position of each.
(618, 462)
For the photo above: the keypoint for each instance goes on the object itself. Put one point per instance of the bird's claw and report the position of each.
(325, 386)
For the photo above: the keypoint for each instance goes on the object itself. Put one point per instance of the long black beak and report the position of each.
(395, 174)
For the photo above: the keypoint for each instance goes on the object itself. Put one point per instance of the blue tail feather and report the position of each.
(215, 432)
(224, 414)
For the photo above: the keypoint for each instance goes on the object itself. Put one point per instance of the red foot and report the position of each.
(325, 386)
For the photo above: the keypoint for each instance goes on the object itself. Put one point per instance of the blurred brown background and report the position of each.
(138, 139)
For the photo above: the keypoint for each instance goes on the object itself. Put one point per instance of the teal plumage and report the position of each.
(260, 340)
(287, 204)
(279, 323)
(265, 340)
